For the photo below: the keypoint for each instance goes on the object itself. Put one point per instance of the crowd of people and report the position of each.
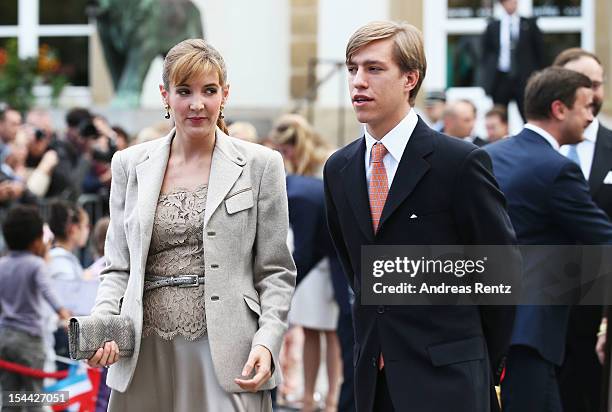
(215, 243)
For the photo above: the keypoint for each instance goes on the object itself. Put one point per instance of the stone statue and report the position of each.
(134, 32)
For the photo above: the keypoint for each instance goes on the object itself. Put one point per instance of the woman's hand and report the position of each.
(105, 356)
(260, 358)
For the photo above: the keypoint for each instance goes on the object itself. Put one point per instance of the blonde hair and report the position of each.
(408, 50)
(192, 58)
(311, 151)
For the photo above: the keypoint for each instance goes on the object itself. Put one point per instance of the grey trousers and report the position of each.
(28, 350)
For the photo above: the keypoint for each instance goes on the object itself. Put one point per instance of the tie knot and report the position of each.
(378, 152)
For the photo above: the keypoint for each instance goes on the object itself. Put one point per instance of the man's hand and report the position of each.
(260, 359)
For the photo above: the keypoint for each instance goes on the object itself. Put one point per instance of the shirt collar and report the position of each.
(590, 133)
(396, 139)
(553, 142)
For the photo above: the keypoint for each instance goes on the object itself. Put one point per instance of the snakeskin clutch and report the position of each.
(87, 334)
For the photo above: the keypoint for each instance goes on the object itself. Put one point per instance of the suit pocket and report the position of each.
(458, 351)
(253, 305)
(241, 200)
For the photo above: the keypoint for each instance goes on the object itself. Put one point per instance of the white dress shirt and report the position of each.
(553, 142)
(586, 148)
(395, 141)
(503, 64)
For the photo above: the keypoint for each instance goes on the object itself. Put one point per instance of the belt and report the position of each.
(185, 281)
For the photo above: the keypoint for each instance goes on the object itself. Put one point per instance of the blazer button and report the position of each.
(374, 362)
(214, 266)
(214, 297)
(380, 310)
(211, 234)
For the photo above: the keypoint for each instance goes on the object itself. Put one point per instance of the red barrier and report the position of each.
(27, 371)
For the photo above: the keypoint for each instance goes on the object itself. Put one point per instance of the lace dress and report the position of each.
(174, 372)
(176, 249)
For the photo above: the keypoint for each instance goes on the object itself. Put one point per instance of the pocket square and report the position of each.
(608, 178)
(413, 216)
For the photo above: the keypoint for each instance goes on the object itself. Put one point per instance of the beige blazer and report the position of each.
(250, 274)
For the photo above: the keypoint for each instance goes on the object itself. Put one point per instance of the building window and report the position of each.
(72, 53)
(557, 8)
(469, 8)
(8, 13)
(463, 58)
(555, 43)
(62, 12)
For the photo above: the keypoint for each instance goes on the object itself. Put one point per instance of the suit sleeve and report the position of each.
(573, 208)
(273, 266)
(480, 212)
(334, 227)
(114, 277)
(537, 40)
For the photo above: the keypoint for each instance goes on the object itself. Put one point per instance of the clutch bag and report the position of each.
(86, 334)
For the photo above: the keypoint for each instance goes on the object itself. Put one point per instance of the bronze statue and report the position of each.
(134, 32)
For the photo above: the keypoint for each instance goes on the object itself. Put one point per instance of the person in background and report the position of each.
(315, 306)
(10, 121)
(122, 138)
(99, 236)
(459, 119)
(24, 286)
(243, 130)
(435, 103)
(496, 123)
(512, 49)
(580, 377)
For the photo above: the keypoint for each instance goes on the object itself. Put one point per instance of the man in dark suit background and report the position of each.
(512, 49)
(311, 244)
(580, 377)
(549, 204)
(402, 183)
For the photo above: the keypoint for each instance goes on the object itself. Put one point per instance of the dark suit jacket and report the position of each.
(529, 54)
(436, 357)
(549, 204)
(310, 235)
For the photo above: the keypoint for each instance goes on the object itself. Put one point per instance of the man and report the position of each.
(402, 183)
(10, 121)
(312, 244)
(459, 120)
(435, 103)
(580, 377)
(496, 123)
(512, 49)
(549, 204)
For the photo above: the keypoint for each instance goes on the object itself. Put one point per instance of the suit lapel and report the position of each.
(353, 177)
(150, 176)
(602, 159)
(226, 166)
(411, 169)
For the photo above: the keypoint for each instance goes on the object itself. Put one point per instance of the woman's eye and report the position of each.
(211, 90)
(182, 92)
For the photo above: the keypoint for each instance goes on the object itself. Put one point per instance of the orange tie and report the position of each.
(379, 188)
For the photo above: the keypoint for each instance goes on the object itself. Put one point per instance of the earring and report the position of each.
(221, 116)
(167, 107)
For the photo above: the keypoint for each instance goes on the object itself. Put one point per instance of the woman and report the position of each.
(70, 226)
(314, 306)
(206, 213)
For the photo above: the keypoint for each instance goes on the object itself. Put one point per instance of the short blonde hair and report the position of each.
(409, 51)
(192, 58)
(311, 151)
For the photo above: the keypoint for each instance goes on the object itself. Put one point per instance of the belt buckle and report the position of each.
(193, 279)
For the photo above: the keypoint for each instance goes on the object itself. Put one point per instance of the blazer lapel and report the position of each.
(353, 176)
(150, 176)
(602, 160)
(226, 166)
(412, 167)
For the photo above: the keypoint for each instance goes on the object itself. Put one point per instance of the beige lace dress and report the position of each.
(174, 370)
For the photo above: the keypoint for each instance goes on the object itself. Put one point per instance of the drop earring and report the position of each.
(167, 107)
(221, 116)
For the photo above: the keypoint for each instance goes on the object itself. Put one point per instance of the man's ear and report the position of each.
(411, 78)
(558, 109)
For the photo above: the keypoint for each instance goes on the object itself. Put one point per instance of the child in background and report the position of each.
(24, 285)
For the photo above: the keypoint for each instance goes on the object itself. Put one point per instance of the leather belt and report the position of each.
(184, 281)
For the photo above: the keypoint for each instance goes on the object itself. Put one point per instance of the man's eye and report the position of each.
(351, 69)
